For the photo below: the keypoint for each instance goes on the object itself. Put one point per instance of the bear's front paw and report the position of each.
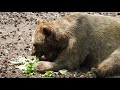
(43, 66)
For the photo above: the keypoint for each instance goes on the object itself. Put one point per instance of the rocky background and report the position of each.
(15, 40)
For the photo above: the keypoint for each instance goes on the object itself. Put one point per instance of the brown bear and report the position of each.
(78, 40)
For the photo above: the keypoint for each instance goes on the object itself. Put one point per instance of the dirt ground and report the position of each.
(15, 40)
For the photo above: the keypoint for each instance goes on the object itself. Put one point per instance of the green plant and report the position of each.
(52, 73)
(26, 64)
(49, 74)
(63, 71)
(29, 65)
(89, 72)
(29, 68)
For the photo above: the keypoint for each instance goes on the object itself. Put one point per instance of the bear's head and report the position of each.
(47, 40)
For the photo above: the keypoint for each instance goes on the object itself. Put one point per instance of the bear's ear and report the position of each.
(46, 31)
(41, 21)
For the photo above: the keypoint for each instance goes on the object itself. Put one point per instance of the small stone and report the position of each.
(82, 76)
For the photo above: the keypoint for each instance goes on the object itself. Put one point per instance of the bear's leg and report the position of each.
(109, 66)
(43, 66)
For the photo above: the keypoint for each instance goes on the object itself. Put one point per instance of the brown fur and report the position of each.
(79, 40)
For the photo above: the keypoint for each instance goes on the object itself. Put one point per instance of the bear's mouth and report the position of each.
(35, 53)
(49, 57)
(46, 55)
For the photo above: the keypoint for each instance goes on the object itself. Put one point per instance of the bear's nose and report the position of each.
(36, 53)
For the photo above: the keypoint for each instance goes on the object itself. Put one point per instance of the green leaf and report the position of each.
(26, 64)
(49, 74)
(29, 68)
(63, 71)
(89, 72)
